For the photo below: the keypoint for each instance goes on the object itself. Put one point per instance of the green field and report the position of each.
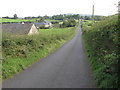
(101, 42)
(53, 20)
(19, 52)
(23, 20)
(17, 20)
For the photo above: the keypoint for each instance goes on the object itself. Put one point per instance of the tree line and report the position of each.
(59, 17)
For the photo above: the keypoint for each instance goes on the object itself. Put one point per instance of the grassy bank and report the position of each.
(19, 52)
(101, 42)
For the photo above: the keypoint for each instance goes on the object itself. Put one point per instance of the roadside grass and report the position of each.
(20, 52)
(101, 42)
(14, 65)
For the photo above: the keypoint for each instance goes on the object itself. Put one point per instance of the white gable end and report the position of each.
(33, 30)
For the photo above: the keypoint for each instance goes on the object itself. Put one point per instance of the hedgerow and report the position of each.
(101, 41)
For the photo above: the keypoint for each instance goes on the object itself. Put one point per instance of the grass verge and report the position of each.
(20, 52)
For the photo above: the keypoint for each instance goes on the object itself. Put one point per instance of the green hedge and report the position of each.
(101, 41)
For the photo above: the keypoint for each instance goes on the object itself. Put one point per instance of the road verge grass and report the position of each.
(20, 52)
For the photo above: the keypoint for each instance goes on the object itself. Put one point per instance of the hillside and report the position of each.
(101, 41)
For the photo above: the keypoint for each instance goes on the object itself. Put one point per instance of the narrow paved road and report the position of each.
(66, 68)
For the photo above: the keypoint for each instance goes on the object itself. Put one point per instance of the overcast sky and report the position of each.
(54, 7)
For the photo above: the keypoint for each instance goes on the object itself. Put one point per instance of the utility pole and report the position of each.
(93, 13)
(119, 8)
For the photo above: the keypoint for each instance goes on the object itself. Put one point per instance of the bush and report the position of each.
(69, 23)
(101, 40)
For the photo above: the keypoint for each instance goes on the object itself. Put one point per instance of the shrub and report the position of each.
(69, 23)
(101, 40)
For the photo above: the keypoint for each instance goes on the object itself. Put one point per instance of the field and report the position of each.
(101, 42)
(17, 20)
(20, 52)
(53, 20)
(24, 20)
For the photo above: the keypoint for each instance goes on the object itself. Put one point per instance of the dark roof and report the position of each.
(16, 28)
(39, 24)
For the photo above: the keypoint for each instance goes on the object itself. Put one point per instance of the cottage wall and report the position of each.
(33, 30)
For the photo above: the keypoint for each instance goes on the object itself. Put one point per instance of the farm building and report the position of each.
(20, 29)
(48, 22)
(41, 25)
(44, 24)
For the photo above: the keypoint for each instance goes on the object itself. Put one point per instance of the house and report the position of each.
(18, 28)
(41, 25)
(48, 22)
(44, 24)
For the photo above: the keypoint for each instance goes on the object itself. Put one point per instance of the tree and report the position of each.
(15, 16)
(69, 23)
(45, 17)
(87, 17)
(6, 17)
(58, 17)
(40, 20)
(28, 17)
(98, 18)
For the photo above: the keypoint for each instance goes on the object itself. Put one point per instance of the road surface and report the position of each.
(65, 68)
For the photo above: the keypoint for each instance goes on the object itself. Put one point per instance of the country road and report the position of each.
(67, 67)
